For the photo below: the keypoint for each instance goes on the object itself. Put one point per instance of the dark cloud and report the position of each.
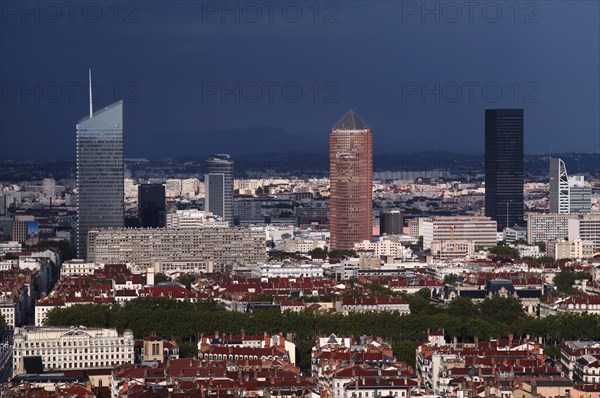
(419, 73)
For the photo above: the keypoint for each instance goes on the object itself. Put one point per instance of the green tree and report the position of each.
(565, 279)
(450, 279)
(501, 310)
(160, 277)
(187, 280)
(3, 324)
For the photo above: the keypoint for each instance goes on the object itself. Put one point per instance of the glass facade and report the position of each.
(100, 173)
(151, 205)
(504, 166)
(218, 179)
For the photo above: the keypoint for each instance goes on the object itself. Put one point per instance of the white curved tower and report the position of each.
(559, 187)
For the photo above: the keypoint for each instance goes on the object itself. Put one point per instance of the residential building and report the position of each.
(573, 350)
(514, 234)
(443, 250)
(480, 230)
(372, 304)
(587, 228)
(288, 271)
(72, 348)
(25, 229)
(545, 228)
(570, 249)
(194, 218)
(351, 180)
(143, 246)
(504, 166)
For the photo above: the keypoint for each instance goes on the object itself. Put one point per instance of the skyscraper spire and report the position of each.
(91, 102)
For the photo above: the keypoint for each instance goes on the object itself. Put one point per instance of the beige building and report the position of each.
(145, 246)
(194, 219)
(480, 230)
(575, 248)
(72, 348)
(545, 228)
(78, 267)
(587, 228)
(19, 232)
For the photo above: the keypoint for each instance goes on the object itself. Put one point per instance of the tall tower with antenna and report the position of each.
(100, 171)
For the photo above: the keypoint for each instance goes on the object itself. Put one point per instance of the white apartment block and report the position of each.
(145, 246)
(587, 228)
(78, 267)
(10, 247)
(385, 246)
(444, 250)
(191, 266)
(7, 309)
(529, 251)
(480, 230)
(575, 248)
(194, 219)
(288, 271)
(72, 348)
(542, 227)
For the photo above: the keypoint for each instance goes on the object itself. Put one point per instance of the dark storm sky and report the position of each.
(419, 73)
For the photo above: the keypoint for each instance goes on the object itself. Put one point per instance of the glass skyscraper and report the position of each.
(152, 206)
(100, 173)
(504, 166)
(218, 180)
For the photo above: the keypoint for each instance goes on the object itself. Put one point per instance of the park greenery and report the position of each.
(466, 320)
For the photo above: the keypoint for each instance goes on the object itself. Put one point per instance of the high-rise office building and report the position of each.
(504, 166)
(559, 187)
(351, 182)
(151, 205)
(568, 194)
(580, 195)
(100, 172)
(390, 222)
(218, 180)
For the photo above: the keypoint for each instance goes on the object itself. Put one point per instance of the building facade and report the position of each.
(151, 205)
(391, 223)
(218, 180)
(72, 348)
(545, 228)
(504, 166)
(587, 228)
(480, 230)
(100, 173)
(144, 246)
(559, 187)
(351, 181)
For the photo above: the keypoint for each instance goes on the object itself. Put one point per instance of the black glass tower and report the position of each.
(390, 223)
(504, 166)
(151, 205)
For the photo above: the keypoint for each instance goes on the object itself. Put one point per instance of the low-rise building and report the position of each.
(372, 304)
(69, 348)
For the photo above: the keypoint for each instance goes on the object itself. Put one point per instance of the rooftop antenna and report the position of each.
(91, 108)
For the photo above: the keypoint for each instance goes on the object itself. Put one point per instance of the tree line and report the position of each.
(461, 319)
